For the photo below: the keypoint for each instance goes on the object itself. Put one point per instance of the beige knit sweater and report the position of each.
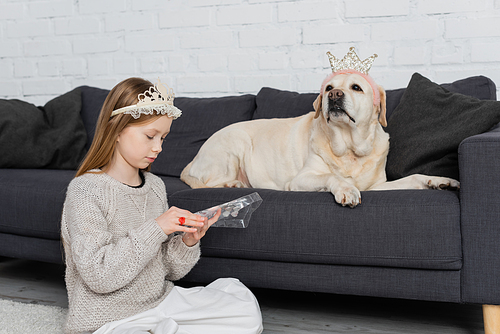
(119, 261)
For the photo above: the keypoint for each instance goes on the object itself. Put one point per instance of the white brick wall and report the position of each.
(244, 14)
(223, 47)
(380, 8)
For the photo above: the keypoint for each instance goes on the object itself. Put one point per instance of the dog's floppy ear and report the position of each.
(381, 117)
(317, 104)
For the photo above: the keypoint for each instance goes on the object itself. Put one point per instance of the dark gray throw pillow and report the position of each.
(428, 125)
(52, 136)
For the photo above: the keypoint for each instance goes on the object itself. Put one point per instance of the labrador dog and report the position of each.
(340, 147)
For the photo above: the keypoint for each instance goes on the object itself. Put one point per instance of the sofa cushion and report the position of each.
(32, 201)
(173, 184)
(201, 117)
(275, 103)
(428, 125)
(52, 136)
(390, 228)
(92, 101)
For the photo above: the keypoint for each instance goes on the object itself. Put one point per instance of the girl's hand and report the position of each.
(192, 238)
(179, 220)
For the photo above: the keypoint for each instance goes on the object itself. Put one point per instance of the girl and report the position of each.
(124, 246)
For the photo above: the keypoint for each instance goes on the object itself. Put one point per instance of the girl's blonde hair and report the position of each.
(108, 128)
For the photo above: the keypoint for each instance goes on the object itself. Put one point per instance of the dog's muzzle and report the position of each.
(336, 105)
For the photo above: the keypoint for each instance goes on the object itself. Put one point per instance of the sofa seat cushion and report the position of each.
(32, 201)
(397, 228)
(173, 184)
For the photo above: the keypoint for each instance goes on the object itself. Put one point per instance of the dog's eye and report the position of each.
(329, 88)
(356, 88)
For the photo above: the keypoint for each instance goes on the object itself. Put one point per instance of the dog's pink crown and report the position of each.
(351, 61)
(352, 64)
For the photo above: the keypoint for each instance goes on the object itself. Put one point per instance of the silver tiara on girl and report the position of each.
(159, 98)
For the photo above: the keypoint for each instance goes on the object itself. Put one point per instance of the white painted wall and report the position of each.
(228, 47)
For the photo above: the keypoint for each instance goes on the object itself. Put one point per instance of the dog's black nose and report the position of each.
(335, 94)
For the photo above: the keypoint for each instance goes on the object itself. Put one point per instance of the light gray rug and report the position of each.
(20, 318)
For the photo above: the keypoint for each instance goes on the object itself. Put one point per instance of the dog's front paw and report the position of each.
(347, 196)
(437, 182)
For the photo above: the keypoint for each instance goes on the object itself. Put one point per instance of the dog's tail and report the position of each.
(191, 181)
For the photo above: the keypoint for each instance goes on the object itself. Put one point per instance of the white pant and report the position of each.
(225, 306)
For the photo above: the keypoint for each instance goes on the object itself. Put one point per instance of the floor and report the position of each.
(283, 311)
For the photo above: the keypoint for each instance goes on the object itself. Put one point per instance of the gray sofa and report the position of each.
(413, 244)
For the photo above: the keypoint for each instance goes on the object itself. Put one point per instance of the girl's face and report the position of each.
(138, 146)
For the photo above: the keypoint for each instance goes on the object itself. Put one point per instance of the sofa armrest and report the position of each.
(479, 164)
